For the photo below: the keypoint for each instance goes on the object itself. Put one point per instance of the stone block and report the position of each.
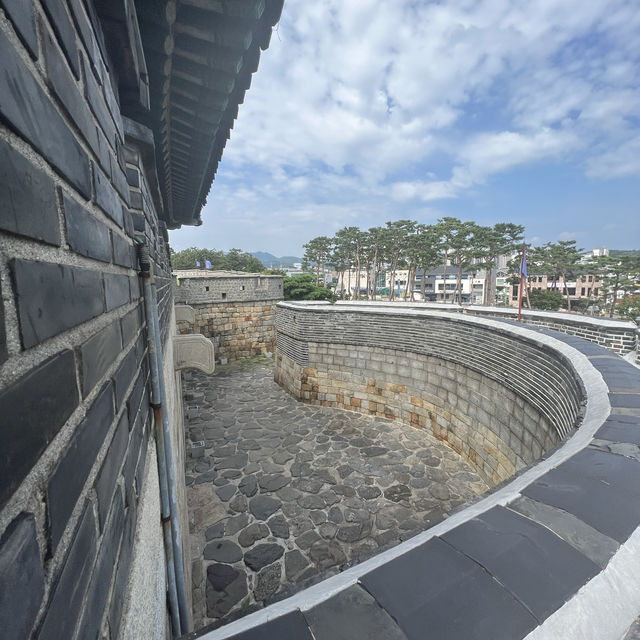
(65, 604)
(106, 480)
(52, 298)
(33, 116)
(22, 584)
(85, 234)
(33, 411)
(27, 198)
(98, 353)
(67, 480)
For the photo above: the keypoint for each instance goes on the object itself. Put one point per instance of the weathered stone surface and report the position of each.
(335, 515)
(327, 554)
(263, 506)
(294, 564)
(253, 533)
(267, 582)
(368, 492)
(248, 486)
(335, 511)
(223, 551)
(279, 526)
(261, 555)
(215, 531)
(273, 482)
(397, 492)
(235, 524)
(233, 462)
(226, 586)
(226, 493)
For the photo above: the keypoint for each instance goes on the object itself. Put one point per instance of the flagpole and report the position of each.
(522, 269)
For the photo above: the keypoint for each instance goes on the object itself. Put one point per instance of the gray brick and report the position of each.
(98, 591)
(30, 112)
(69, 476)
(116, 290)
(85, 234)
(22, 584)
(107, 197)
(106, 480)
(22, 16)
(65, 604)
(63, 27)
(123, 252)
(98, 354)
(27, 198)
(63, 85)
(52, 298)
(33, 410)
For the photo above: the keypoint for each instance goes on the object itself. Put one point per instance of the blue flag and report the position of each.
(523, 262)
(207, 265)
(197, 263)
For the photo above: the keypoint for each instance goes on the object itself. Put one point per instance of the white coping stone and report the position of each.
(598, 597)
(185, 313)
(194, 351)
(571, 318)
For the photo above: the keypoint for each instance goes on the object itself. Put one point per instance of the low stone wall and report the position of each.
(498, 400)
(237, 329)
(619, 336)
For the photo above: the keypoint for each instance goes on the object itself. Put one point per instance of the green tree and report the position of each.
(395, 240)
(316, 252)
(629, 306)
(502, 239)
(618, 274)
(424, 253)
(545, 300)
(561, 260)
(234, 260)
(303, 286)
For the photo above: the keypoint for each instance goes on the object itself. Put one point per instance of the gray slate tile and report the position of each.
(291, 626)
(538, 567)
(602, 489)
(352, 614)
(436, 590)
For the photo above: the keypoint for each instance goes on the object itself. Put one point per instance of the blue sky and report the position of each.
(488, 110)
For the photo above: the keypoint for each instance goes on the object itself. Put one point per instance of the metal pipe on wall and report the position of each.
(168, 494)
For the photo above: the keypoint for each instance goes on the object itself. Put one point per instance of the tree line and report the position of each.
(406, 244)
(233, 260)
(458, 246)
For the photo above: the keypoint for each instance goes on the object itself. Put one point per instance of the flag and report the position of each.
(197, 263)
(523, 262)
(207, 265)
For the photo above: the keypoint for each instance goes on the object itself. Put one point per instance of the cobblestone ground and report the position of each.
(286, 492)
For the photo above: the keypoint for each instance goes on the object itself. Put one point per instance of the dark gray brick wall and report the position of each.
(74, 379)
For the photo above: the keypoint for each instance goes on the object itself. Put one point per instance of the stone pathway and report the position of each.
(281, 493)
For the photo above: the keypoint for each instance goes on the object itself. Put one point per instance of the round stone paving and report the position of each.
(285, 492)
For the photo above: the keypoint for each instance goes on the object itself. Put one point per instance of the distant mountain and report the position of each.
(269, 260)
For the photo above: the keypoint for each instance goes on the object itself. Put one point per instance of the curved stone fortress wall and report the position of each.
(554, 553)
(499, 400)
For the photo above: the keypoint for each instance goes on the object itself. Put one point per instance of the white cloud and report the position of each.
(363, 108)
